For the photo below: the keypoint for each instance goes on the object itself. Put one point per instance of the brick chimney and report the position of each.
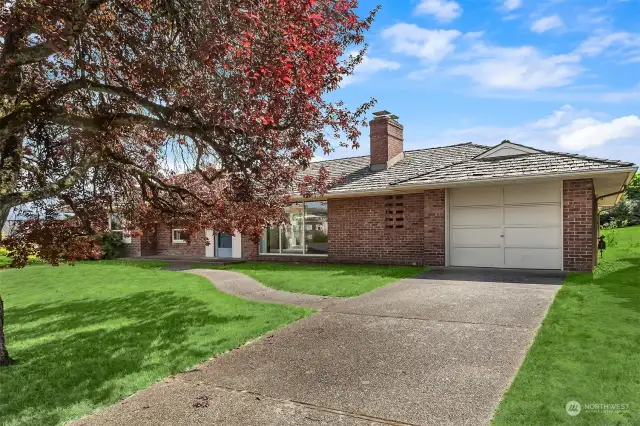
(386, 140)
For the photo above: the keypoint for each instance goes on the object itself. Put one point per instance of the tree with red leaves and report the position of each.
(195, 113)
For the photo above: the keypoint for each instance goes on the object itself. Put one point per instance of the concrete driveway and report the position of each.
(437, 349)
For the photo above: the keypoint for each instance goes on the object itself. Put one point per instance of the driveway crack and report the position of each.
(320, 408)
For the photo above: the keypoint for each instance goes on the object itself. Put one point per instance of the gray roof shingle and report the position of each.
(453, 163)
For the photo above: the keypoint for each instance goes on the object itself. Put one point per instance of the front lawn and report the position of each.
(588, 348)
(89, 335)
(322, 280)
(145, 264)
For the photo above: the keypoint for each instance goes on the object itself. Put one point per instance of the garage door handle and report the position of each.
(502, 236)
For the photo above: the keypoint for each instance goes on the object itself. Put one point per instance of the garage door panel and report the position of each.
(478, 237)
(470, 216)
(534, 258)
(532, 215)
(532, 237)
(487, 257)
(514, 226)
(475, 196)
(536, 193)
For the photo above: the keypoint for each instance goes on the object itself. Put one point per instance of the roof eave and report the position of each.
(416, 187)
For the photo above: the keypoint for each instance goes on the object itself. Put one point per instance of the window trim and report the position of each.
(173, 239)
(304, 245)
(123, 237)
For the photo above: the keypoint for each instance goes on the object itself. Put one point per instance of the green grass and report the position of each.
(588, 348)
(144, 264)
(88, 335)
(323, 280)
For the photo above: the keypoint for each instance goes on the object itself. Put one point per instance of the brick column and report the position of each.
(249, 248)
(578, 223)
(434, 227)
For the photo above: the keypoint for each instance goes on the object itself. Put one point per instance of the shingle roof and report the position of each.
(453, 164)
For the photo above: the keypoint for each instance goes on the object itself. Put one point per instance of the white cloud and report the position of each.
(547, 23)
(367, 68)
(422, 74)
(510, 5)
(442, 10)
(589, 132)
(431, 45)
(616, 43)
(518, 68)
(491, 67)
(565, 129)
(554, 119)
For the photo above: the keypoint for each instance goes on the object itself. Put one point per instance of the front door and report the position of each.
(224, 245)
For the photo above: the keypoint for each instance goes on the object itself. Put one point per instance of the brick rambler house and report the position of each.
(507, 206)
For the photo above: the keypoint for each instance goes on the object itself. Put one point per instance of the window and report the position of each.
(270, 242)
(292, 233)
(305, 233)
(316, 218)
(115, 224)
(179, 236)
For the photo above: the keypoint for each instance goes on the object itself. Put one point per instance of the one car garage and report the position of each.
(514, 226)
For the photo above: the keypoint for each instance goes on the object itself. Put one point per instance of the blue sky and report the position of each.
(560, 75)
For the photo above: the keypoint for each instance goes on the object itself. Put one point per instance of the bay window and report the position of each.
(305, 233)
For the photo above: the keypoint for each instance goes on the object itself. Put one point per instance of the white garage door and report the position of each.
(517, 226)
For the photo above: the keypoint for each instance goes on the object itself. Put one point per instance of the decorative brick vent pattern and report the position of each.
(394, 212)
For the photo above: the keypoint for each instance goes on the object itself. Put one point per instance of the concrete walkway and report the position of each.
(241, 285)
(438, 349)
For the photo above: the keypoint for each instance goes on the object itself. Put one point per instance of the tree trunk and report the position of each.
(5, 359)
(4, 215)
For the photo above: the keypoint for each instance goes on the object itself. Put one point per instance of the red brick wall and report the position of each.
(434, 227)
(357, 231)
(250, 249)
(149, 243)
(579, 231)
(385, 136)
(165, 247)
(133, 249)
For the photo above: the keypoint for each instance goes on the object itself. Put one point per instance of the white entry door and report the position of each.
(209, 250)
(516, 226)
(224, 245)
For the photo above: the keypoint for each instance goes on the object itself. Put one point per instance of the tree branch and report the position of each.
(52, 189)
(41, 52)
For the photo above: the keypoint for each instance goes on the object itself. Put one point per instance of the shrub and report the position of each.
(5, 258)
(34, 260)
(112, 245)
(319, 237)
